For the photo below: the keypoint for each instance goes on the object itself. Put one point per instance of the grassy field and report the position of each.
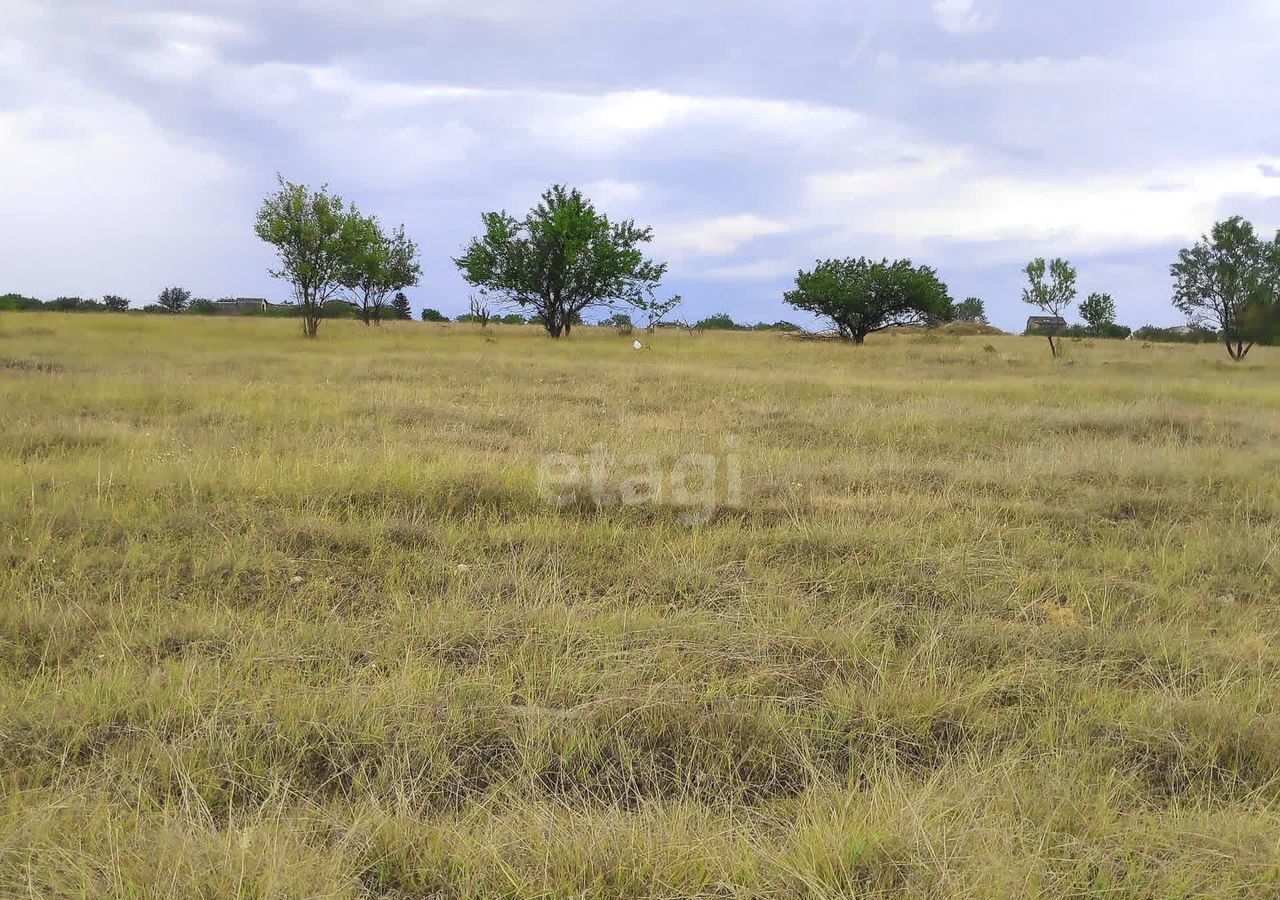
(288, 618)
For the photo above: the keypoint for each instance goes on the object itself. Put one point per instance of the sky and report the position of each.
(138, 137)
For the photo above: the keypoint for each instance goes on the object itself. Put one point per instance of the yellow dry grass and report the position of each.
(289, 618)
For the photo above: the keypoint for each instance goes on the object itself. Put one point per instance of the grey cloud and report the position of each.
(752, 136)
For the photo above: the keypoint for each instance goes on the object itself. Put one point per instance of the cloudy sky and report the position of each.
(137, 137)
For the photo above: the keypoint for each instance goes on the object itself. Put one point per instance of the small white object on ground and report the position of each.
(638, 345)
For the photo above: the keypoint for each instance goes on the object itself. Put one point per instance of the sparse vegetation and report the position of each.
(655, 310)
(287, 623)
(479, 310)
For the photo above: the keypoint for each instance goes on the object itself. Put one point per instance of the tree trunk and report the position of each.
(1240, 350)
(1053, 348)
(310, 316)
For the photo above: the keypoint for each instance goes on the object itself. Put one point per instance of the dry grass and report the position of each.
(284, 618)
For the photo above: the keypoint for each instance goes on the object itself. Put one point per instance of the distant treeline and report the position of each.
(1180, 334)
(337, 309)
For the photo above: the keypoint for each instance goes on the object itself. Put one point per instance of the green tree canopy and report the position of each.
(378, 265)
(174, 299)
(1099, 312)
(717, 322)
(400, 306)
(970, 309)
(314, 233)
(1230, 280)
(563, 258)
(1052, 296)
(860, 296)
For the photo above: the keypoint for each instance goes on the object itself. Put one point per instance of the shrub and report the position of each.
(17, 302)
(173, 299)
(1193, 334)
(717, 322)
(620, 322)
(780, 325)
(65, 304)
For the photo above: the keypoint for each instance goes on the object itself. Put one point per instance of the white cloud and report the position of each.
(172, 61)
(716, 236)
(191, 26)
(953, 197)
(757, 270)
(614, 196)
(11, 52)
(577, 123)
(1036, 71)
(961, 16)
(96, 180)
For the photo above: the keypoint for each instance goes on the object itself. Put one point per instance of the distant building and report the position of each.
(1045, 324)
(233, 305)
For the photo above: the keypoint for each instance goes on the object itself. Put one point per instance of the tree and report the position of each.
(1099, 311)
(1052, 297)
(655, 310)
(19, 302)
(378, 265)
(115, 303)
(620, 322)
(970, 309)
(433, 315)
(1230, 280)
(174, 299)
(717, 322)
(400, 306)
(479, 309)
(314, 234)
(561, 260)
(860, 296)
